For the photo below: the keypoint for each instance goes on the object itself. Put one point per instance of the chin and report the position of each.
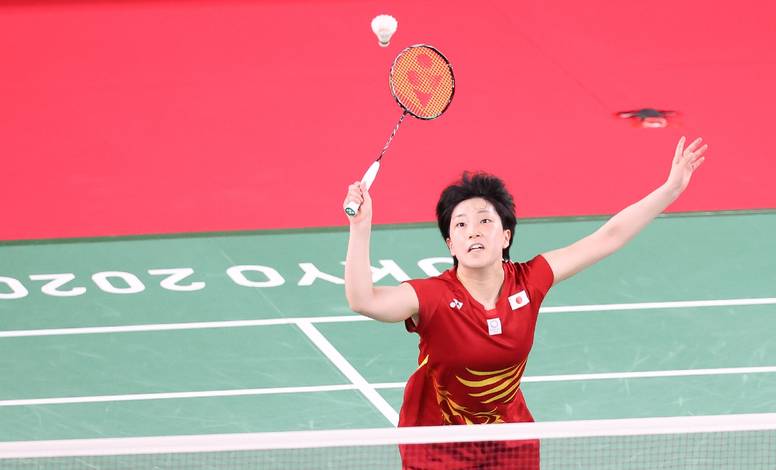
(476, 262)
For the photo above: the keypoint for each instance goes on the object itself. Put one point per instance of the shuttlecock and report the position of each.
(384, 26)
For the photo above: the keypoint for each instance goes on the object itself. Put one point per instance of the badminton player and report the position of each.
(476, 320)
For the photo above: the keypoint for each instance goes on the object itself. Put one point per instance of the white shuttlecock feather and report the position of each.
(384, 26)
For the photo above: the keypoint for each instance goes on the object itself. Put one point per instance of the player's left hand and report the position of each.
(686, 161)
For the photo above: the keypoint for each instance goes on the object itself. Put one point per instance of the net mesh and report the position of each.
(737, 442)
(422, 81)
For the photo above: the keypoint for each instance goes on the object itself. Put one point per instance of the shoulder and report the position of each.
(445, 281)
(432, 293)
(535, 273)
(535, 264)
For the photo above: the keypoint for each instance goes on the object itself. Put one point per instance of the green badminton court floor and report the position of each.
(250, 332)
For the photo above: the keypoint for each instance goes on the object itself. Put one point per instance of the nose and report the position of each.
(474, 234)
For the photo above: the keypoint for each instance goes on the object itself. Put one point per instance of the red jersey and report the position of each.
(471, 359)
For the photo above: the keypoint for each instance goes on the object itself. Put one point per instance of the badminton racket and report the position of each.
(423, 85)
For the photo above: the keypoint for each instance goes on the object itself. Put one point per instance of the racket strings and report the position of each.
(422, 81)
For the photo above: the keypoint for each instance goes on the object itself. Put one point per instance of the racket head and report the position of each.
(422, 81)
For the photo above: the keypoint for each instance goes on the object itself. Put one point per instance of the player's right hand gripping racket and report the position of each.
(422, 83)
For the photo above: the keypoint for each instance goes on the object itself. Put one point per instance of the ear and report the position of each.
(507, 237)
(449, 246)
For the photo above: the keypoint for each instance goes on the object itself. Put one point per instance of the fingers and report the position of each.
(679, 150)
(357, 193)
(695, 143)
(692, 155)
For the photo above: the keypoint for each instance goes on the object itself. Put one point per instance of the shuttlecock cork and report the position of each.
(384, 26)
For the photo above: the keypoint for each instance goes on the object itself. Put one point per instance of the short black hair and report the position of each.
(472, 185)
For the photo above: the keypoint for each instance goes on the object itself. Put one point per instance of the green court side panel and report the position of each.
(645, 340)
(161, 362)
(393, 396)
(171, 280)
(640, 398)
(675, 258)
(381, 352)
(264, 413)
(291, 274)
(591, 342)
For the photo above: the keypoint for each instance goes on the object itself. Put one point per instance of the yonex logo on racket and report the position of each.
(423, 84)
(422, 81)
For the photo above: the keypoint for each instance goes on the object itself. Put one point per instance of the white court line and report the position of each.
(178, 326)
(623, 375)
(173, 395)
(349, 371)
(377, 386)
(650, 374)
(660, 305)
(352, 318)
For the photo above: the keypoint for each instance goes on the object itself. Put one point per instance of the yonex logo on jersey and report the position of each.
(518, 300)
(456, 304)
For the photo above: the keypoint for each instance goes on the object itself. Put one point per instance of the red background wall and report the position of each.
(146, 117)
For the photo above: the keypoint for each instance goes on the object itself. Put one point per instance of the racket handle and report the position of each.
(369, 177)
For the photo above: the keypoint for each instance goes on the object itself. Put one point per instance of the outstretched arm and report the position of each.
(567, 261)
(384, 303)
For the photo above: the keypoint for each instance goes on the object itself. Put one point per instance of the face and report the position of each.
(477, 237)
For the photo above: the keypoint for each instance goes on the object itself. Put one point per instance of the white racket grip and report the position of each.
(369, 177)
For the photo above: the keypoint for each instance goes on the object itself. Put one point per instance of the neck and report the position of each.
(484, 284)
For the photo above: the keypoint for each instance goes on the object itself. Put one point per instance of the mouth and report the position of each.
(476, 247)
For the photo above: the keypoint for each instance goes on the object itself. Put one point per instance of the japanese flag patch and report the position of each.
(518, 300)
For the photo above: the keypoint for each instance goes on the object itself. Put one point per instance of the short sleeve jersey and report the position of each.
(472, 359)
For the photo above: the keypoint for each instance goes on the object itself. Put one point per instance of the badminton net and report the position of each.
(745, 442)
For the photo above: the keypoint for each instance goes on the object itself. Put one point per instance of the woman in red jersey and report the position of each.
(476, 320)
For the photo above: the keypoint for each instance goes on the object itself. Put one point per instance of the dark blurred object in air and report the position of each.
(648, 117)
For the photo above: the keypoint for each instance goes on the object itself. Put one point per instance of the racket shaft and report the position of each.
(369, 178)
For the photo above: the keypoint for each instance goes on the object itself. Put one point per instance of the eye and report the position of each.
(486, 221)
(459, 224)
